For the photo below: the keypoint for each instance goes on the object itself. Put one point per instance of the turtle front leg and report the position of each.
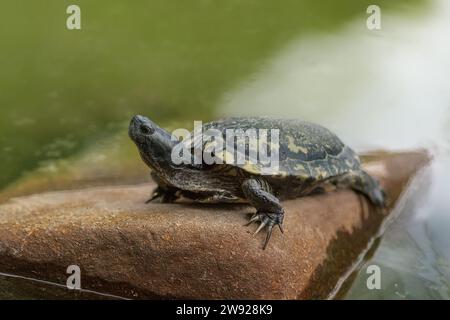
(163, 192)
(269, 211)
(165, 195)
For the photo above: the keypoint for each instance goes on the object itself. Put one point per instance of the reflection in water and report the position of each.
(377, 89)
(413, 255)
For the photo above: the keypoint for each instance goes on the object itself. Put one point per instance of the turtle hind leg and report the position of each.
(269, 211)
(362, 182)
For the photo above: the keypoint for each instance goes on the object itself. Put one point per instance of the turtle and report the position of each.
(310, 159)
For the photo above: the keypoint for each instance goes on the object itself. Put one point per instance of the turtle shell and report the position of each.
(305, 149)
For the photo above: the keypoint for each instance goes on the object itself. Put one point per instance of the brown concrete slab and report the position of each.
(127, 248)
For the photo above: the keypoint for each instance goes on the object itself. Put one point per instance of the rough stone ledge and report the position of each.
(184, 250)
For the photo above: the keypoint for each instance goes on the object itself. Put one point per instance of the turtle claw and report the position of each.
(268, 235)
(269, 220)
(262, 225)
(252, 219)
(154, 196)
(162, 195)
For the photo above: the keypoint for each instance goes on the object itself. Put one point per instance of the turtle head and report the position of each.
(154, 143)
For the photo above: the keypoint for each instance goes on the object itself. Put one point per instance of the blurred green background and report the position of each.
(62, 90)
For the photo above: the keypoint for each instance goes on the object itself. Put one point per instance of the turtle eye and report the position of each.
(146, 129)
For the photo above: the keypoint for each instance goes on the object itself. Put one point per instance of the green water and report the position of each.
(62, 90)
(413, 254)
(66, 96)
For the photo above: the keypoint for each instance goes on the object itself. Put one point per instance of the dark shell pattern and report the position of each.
(306, 150)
